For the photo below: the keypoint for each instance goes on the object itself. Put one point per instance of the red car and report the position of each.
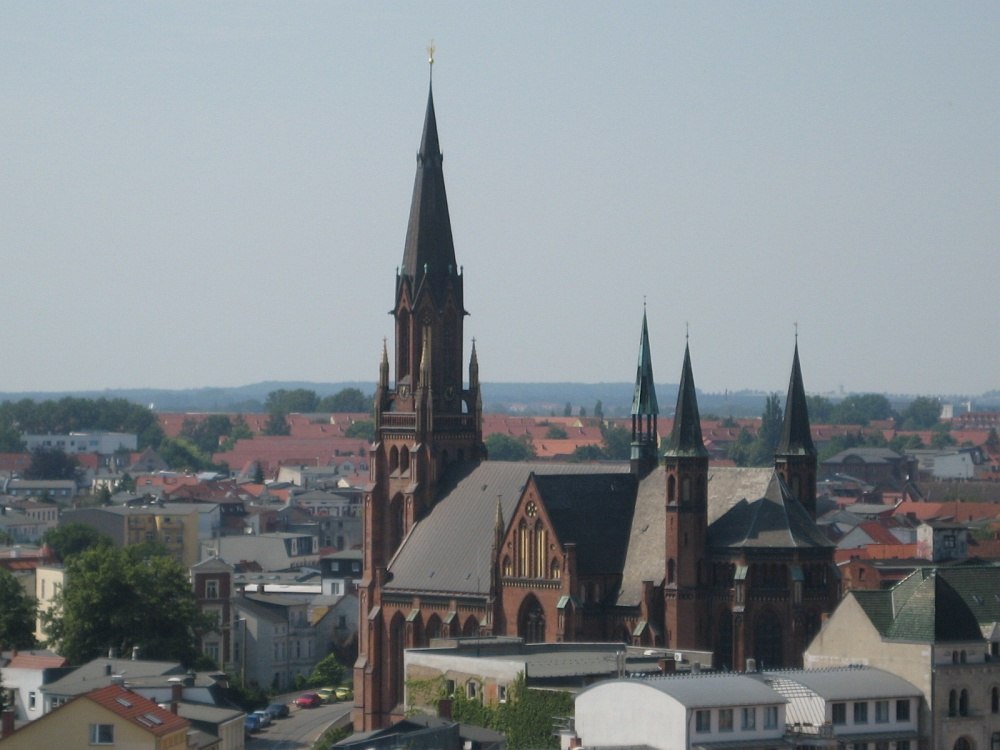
(308, 700)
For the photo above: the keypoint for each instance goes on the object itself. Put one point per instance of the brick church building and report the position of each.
(673, 553)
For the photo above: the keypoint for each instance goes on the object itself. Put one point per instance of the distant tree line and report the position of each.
(191, 450)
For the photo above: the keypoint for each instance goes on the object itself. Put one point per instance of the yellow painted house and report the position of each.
(111, 716)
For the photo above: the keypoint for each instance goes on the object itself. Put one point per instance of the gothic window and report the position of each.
(522, 549)
(724, 642)
(531, 623)
(952, 703)
(403, 342)
(404, 460)
(471, 627)
(670, 570)
(995, 700)
(397, 643)
(768, 645)
(963, 703)
(554, 569)
(507, 568)
(963, 744)
(671, 489)
(686, 490)
(433, 629)
(393, 458)
(541, 542)
(395, 525)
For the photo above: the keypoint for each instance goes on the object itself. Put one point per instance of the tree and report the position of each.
(73, 538)
(993, 440)
(599, 409)
(941, 438)
(617, 442)
(277, 424)
(820, 409)
(346, 401)
(921, 414)
(183, 455)
(241, 431)
(17, 613)
(862, 409)
(300, 400)
(568, 410)
(50, 463)
(500, 447)
(555, 432)
(362, 428)
(126, 597)
(207, 433)
(328, 671)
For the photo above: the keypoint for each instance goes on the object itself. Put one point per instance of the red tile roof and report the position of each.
(141, 711)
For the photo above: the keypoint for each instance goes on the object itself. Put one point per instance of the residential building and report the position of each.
(23, 674)
(110, 716)
(939, 629)
(60, 490)
(102, 443)
(341, 571)
(273, 552)
(179, 527)
(212, 582)
(273, 640)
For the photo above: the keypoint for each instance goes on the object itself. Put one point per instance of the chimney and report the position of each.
(6, 723)
(444, 708)
(751, 665)
(107, 670)
(176, 693)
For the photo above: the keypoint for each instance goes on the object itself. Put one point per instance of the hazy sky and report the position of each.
(215, 194)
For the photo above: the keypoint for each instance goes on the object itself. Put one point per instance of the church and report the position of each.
(652, 552)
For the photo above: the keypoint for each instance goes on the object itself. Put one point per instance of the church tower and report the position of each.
(686, 466)
(643, 457)
(425, 419)
(795, 457)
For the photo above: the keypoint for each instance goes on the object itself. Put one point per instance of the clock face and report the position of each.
(531, 510)
(404, 390)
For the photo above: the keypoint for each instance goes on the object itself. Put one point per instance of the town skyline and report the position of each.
(202, 196)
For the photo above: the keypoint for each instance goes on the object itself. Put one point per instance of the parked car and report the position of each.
(264, 717)
(278, 710)
(251, 723)
(308, 700)
(345, 693)
(327, 694)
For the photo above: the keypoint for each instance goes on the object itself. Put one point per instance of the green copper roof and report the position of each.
(932, 605)
(644, 399)
(796, 436)
(685, 438)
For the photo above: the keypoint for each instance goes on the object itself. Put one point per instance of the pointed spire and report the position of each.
(685, 438)
(383, 370)
(429, 251)
(644, 398)
(473, 368)
(796, 435)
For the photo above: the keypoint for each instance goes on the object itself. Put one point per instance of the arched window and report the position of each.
(508, 567)
(397, 643)
(671, 489)
(962, 743)
(768, 641)
(961, 656)
(433, 628)
(954, 657)
(554, 569)
(995, 700)
(541, 542)
(670, 570)
(531, 621)
(952, 703)
(393, 458)
(471, 627)
(963, 703)
(522, 549)
(404, 460)
(686, 490)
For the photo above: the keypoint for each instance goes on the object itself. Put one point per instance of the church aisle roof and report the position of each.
(445, 552)
(645, 559)
(776, 520)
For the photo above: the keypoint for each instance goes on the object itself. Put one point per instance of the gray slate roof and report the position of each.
(709, 690)
(776, 520)
(447, 552)
(844, 683)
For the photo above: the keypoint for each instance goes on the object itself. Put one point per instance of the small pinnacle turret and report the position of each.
(643, 456)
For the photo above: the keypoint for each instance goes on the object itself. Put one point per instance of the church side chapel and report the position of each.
(673, 554)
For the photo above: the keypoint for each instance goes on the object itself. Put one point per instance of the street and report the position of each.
(302, 728)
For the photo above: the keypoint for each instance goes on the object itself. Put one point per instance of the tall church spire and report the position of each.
(429, 250)
(796, 435)
(643, 455)
(685, 438)
(795, 457)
